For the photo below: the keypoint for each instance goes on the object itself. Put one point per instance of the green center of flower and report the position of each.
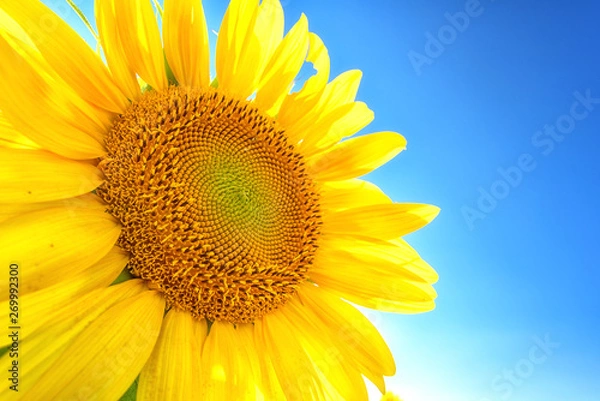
(217, 210)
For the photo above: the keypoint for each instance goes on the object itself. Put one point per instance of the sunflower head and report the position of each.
(217, 208)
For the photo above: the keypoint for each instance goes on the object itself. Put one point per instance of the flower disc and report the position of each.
(217, 210)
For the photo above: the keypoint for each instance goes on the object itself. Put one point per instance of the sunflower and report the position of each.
(188, 237)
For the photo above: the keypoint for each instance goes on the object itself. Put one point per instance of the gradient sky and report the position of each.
(501, 93)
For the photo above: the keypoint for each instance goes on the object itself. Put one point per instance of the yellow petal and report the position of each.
(295, 371)
(238, 49)
(268, 29)
(10, 210)
(38, 176)
(356, 157)
(299, 104)
(356, 337)
(112, 45)
(68, 54)
(393, 257)
(173, 371)
(339, 92)
(186, 42)
(368, 300)
(81, 280)
(81, 114)
(342, 90)
(418, 265)
(282, 68)
(42, 110)
(269, 387)
(338, 375)
(319, 57)
(229, 373)
(13, 32)
(48, 242)
(86, 116)
(387, 221)
(140, 37)
(347, 194)
(105, 358)
(342, 122)
(373, 274)
(11, 138)
(46, 344)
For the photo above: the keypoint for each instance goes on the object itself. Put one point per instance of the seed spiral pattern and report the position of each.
(217, 210)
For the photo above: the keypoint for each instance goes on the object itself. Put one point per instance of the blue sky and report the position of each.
(500, 103)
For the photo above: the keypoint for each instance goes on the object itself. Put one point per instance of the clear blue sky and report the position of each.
(501, 93)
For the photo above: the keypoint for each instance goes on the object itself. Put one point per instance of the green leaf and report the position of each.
(131, 392)
(124, 276)
(170, 76)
